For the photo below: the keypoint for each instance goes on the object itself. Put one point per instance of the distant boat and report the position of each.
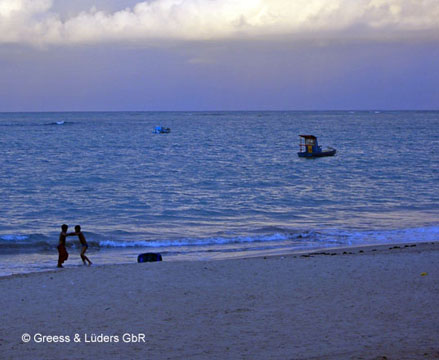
(309, 148)
(161, 130)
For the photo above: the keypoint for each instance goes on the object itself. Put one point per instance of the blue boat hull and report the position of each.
(161, 130)
(323, 153)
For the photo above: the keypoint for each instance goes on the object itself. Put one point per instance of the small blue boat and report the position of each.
(309, 148)
(161, 130)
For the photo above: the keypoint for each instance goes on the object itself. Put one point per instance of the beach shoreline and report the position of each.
(74, 263)
(369, 302)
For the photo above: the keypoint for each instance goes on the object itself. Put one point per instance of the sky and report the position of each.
(116, 55)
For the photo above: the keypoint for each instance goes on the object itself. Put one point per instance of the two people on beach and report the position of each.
(63, 255)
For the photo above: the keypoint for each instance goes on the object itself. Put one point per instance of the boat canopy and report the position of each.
(309, 139)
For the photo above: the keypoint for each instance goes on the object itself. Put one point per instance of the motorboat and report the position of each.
(161, 130)
(309, 148)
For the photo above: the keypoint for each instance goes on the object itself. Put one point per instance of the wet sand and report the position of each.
(377, 302)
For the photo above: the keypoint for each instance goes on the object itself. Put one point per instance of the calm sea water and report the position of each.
(220, 185)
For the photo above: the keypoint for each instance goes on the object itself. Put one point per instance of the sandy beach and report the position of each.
(379, 302)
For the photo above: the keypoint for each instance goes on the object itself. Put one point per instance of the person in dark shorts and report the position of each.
(83, 244)
(63, 255)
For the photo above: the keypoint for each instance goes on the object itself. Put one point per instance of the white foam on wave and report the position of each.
(192, 242)
(14, 237)
(320, 238)
(421, 234)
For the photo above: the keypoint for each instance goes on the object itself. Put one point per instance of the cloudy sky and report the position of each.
(63, 55)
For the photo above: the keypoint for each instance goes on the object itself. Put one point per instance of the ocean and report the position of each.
(219, 185)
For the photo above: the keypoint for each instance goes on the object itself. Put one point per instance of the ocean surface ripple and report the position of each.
(219, 185)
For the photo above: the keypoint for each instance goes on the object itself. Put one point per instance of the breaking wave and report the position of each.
(315, 238)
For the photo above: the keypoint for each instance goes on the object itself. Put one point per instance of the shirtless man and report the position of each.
(62, 251)
(83, 244)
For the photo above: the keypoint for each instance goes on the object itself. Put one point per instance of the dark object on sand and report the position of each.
(149, 257)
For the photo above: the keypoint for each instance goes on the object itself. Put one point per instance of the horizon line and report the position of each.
(216, 110)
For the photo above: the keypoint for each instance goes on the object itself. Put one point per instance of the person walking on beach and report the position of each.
(83, 244)
(63, 255)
